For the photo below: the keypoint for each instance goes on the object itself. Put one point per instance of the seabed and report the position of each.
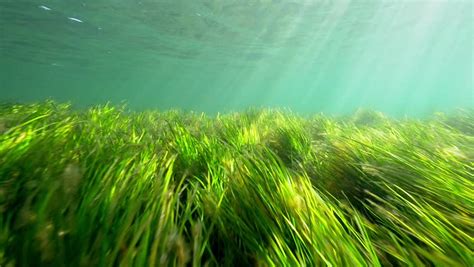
(105, 186)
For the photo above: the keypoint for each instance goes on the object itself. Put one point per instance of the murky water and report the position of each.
(399, 57)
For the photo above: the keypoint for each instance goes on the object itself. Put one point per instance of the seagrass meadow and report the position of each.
(105, 186)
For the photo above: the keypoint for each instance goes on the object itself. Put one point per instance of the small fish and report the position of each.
(74, 19)
(45, 8)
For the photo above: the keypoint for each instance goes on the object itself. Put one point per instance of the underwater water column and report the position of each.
(399, 57)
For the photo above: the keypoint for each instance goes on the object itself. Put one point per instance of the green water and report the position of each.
(399, 57)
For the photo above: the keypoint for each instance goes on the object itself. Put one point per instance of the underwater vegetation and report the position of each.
(110, 187)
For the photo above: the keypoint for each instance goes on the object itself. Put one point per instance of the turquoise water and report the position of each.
(399, 57)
